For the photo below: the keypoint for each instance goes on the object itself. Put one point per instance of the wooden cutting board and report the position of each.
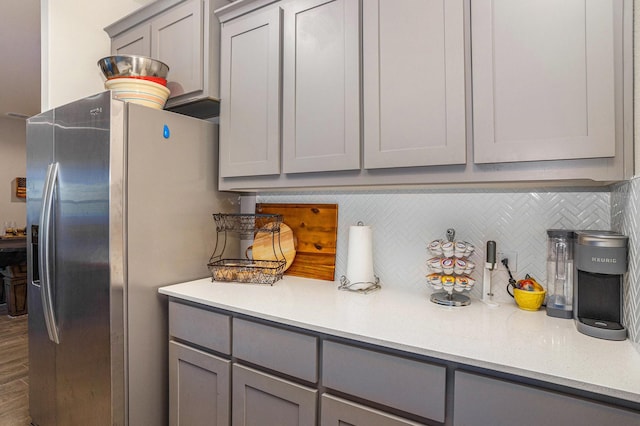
(265, 246)
(315, 226)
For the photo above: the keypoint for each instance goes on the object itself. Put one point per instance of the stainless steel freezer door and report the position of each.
(79, 265)
(81, 262)
(42, 403)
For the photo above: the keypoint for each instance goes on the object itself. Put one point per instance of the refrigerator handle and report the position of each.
(44, 256)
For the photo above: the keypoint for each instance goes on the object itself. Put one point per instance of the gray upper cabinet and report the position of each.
(321, 86)
(413, 83)
(137, 41)
(544, 79)
(176, 38)
(250, 92)
(420, 92)
(184, 34)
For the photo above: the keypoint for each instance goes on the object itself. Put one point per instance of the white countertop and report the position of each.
(506, 338)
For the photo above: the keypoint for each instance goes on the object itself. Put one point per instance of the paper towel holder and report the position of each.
(359, 286)
(345, 284)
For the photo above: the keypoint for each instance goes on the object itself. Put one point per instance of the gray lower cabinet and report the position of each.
(229, 369)
(481, 400)
(260, 399)
(199, 387)
(339, 412)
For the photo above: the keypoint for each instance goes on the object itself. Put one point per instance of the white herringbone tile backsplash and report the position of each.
(625, 218)
(405, 221)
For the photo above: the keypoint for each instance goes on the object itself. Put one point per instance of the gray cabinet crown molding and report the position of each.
(140, 15)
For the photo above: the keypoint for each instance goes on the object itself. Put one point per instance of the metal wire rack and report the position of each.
(246, 270)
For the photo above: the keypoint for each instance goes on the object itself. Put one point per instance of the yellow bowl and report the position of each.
(139, 91)
(529, 300)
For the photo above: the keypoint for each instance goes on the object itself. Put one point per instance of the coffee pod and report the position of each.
(447, 249)
(459, 249)
(435, 264)
(448, 281)
(470, 248)
(447, 265)
(461, 283)
(435, 281)
(459, 266)
(435, 247)
(470, 267)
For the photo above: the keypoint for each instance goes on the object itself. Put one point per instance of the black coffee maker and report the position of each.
(600, 264)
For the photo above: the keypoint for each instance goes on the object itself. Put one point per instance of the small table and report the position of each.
(13, 289)
(13, 250)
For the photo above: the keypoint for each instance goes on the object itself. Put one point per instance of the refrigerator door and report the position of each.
(42, 353)
(171, 195)
(81, 261)
(79, 377)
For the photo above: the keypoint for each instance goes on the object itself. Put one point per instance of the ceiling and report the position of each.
(20, 57)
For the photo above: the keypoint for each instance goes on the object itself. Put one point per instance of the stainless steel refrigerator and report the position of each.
(119, 203)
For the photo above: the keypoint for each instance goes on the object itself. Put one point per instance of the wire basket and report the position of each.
(247, 270)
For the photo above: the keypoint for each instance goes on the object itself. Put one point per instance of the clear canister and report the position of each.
(560, 273)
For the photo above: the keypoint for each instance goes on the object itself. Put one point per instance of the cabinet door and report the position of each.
(177, 40)
(321, 94)
(413, 83)
(136, 41)
(199, 386)
(338, 412)
(481, 400)
(543, 79)
(260, 399)
(250, 92)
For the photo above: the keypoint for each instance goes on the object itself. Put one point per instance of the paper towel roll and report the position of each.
(360, 255)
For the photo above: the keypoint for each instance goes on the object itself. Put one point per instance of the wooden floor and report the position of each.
(14, 370)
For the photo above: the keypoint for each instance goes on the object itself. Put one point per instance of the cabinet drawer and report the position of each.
(481, 400)
(199, 326)
(281, 350)
(411, 386)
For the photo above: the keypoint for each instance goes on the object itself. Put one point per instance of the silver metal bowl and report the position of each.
(132, 66)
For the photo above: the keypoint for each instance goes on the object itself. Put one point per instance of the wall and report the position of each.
(636, 78)
(625, 213)
(12, 165)
(73, 41)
